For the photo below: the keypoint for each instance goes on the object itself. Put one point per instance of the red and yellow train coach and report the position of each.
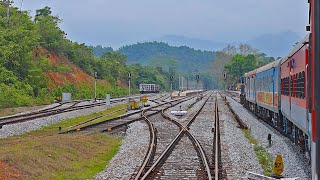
(294, 70)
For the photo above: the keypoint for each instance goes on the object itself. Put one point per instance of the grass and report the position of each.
(44, 154)
(265, 158)
(74, 121)
(12, 111)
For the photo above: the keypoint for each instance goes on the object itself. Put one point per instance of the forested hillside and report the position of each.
(99, 50)
(187, 59)
(38, 63)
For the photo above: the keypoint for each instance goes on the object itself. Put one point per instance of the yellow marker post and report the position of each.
(144, 99)
(278, 165)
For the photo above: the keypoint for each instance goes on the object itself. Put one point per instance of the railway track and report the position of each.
(233, 95)
(159, 164)
(160, 99)
(109, 125)
(217, 145)
(54, 110)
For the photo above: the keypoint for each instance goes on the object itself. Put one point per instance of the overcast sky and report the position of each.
(119, 22)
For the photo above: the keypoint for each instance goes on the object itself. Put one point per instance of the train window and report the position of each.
(303, 84)
(291, 85)
(294, 85)
(282, 86)
(285, 86)
(287, 90)
(300, 85)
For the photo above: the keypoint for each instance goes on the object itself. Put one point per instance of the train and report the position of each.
(286, 93)
(277, 92)
(149, 88)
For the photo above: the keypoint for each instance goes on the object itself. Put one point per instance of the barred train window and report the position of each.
(297, 85)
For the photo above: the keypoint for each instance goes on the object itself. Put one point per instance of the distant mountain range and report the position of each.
(201, 44)
(277, 44)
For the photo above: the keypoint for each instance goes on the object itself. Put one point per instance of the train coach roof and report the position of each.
(269, 66)
(250, 73)
(296, 48)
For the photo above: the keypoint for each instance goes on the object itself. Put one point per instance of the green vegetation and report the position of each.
(65, 125)
(99, 50)
(37, 62)
(53, 156)
(265, 158)
(182, 60)
(187, 59)
(235, 61)
(33, 48)
(60, 156)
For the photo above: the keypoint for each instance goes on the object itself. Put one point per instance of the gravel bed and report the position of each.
(19, 128)
(131, 153)
(201, 128)
(296, 164)
(184, 106)
(238, 155)
(182, 163)
(166, 132)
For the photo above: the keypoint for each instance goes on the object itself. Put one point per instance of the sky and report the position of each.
(119, 22)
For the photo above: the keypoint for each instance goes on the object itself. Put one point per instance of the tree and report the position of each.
(239, 65)
(51, 36)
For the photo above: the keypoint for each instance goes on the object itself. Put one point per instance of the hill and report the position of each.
(99, 50)
(38, 63)
(201, 44)
(272, 44)
(186, 59)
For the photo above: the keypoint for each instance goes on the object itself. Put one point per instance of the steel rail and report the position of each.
(217, 140)
(125, 116)
(173, 143)
(52, 111)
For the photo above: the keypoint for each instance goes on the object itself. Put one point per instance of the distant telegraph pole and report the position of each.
(129, 76)
(197, 78)
(225, 80)
(7, 3)
(171, 80)
(95, 86)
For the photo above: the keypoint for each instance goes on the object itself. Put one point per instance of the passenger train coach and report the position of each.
(149, 88)
(277, 93)
(285, 93)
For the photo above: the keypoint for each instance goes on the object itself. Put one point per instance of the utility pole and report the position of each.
(187, 83)
(95, 86)
(225, 80)
(129, 76)
(179, 83)
(7, 3)
(197, 77)
(182, 83)
(171, 80)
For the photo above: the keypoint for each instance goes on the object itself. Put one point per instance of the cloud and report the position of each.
(117, 22)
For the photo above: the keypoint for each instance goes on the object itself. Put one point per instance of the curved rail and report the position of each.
(52, 111)
(120, 124)
(152, 146)
(174, 142)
